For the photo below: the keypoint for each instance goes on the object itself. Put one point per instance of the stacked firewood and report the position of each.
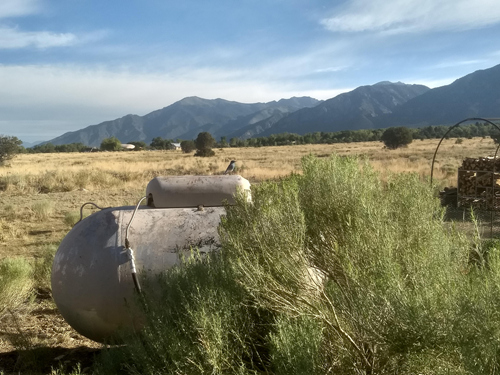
(481, 164)
(478, 183)
(470, 181)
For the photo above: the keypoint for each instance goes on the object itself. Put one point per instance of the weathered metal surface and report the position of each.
(193, 191)
(91, 276)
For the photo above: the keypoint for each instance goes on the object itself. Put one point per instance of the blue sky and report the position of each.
(68, 64)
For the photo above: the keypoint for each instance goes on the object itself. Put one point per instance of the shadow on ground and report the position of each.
(46, 359)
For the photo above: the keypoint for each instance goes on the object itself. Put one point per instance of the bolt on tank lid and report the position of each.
(194, 191)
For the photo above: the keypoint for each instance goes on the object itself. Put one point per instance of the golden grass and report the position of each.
(41, 194)
(42, 173)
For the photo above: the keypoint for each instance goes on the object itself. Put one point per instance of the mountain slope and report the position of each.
(183, 119)
(474, 95)
(127, 128)
(258, 128)
(353, 110)
(273, 112)
(377, 106)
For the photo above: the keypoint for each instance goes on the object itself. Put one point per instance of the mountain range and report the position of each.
(380, 105)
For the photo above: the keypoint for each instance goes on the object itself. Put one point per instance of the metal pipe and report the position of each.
(130, 252)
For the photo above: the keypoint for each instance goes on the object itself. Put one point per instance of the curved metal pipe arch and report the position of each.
(455, 126)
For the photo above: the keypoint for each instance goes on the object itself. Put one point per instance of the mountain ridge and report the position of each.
(381, 105)
(187, 116)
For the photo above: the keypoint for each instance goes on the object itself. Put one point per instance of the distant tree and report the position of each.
(204, 140)
(9, 147)
(233, 141)
(495, 136)
(111, 144)
(204, 143)
(159, 143)
(223, 142)
(397, 137)
(44, 148)
(71, 147)
(188, 146)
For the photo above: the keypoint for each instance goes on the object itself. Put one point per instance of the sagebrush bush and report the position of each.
(332, 271)
(198, 322)
(295, 346)
(393, 272)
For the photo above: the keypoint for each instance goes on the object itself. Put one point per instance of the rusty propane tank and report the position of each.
(92, 281)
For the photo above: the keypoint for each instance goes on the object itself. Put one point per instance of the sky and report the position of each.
(65, 65)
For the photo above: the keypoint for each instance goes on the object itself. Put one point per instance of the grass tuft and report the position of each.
(16, 283)
(42, 269)
(43, 209)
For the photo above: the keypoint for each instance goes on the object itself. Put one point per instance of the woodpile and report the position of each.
(478, 185)
(480, 164)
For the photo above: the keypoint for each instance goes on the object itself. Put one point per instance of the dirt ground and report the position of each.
(44, 342)
(36, 339)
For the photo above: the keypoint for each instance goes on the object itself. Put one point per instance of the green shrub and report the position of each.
(205, 152)
(16, 283)
(397, 137)
(332, 271)
(393, 272)
(188, 146)
(198, 322)
(295, 346)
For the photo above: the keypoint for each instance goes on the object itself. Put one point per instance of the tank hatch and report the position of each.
(195, 191)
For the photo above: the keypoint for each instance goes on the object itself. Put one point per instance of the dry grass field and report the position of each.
(41, 195)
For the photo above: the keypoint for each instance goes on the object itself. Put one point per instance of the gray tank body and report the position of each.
(92, 282)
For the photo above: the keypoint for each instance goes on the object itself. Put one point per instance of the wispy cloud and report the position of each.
(330, 69)
(13, 38)
(455, 63)
(16, 8)
(109, 94)
(398, 16)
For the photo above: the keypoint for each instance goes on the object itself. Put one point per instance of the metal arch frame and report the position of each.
(455, 126)
(496, 153)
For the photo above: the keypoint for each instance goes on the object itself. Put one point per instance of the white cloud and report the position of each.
(73, 93)
(16, 8)
(51, 100)
(399, 16)
(13, 38)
